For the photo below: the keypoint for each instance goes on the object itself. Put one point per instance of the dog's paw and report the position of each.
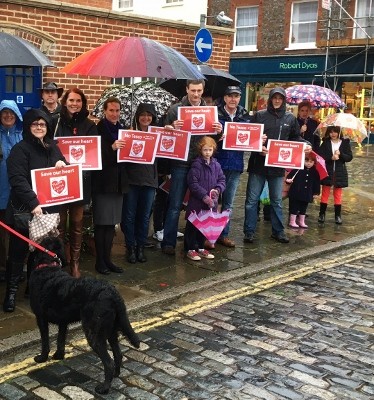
(102, 388)
(41, 358)
(59, 355)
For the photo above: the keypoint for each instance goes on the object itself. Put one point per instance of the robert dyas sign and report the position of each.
(301, 66)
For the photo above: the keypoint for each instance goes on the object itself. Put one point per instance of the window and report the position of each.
(365, 18)
(125, 4)
(303, 24)
(173, 1)
(246, 28)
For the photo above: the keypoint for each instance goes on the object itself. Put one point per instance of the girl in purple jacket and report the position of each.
(206, 181)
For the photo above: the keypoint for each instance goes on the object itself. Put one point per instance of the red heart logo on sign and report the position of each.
(242, 137)
(285, 154)
(197, 121)
(167, 143)
(76, 153)
(137, 148)
(58, 186)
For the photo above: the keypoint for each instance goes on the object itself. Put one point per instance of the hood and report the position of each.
(12, 105)
(282, 108)
(30, 116)
(145, 107)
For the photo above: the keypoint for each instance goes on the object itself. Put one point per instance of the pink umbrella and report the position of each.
(318, 96)
(210, 223)
(320, 166)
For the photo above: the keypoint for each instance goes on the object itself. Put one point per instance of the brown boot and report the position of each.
(75, 240)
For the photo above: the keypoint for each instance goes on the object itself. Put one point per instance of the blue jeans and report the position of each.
(254, 188)
(177, 192)
(136, 212)
(228, 196)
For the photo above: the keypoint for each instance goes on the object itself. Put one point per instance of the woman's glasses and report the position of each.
(39, 125)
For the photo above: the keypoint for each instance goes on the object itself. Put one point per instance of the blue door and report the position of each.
(21, 85)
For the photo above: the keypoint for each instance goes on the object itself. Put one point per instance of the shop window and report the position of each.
(246, 28)
(365, 18)
(303, 25)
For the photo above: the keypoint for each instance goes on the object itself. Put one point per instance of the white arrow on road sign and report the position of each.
(200, 45)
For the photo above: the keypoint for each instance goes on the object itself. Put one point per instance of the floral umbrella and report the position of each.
(131, 95)
(351, 127)
(318, 96)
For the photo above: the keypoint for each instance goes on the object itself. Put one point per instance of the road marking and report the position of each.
(14, 370)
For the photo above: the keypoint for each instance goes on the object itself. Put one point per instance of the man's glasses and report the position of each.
(39, 125)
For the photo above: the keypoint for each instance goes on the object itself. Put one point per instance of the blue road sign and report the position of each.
(203, 45)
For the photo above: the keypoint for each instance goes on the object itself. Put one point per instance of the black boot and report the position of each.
(99, 237)
(131, 255)
(14, 271)
(322, 212)
(140, 254)
(338, 212)
(108, 243)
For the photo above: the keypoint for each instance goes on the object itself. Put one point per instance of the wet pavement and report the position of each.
(163, 279)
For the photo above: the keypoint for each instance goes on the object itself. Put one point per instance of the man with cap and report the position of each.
(281, 125)
(50, 94)
(231, 161)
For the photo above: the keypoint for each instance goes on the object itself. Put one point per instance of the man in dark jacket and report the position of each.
(179, 169)
(231, 161)
(281, 125)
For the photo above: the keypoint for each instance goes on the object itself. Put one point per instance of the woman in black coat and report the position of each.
(336, 152)
(108, 187)
(36, 150)
(73, 121)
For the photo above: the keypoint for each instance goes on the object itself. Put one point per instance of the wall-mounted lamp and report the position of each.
(221, 18)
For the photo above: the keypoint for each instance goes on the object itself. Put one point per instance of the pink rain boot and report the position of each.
(302, 223)
(293, 223)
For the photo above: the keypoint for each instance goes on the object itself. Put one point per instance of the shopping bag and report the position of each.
(43, 225)
(265, 197)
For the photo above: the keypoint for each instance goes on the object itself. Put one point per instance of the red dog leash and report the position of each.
(26, 239)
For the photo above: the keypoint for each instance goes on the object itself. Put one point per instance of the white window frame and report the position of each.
(363, 19)
(249, 47)
(304, 45)
(116, 5)
(173, 2)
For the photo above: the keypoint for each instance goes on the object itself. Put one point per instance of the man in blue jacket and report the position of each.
(231, 161)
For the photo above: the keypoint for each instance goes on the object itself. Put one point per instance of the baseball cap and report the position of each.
(233, 89)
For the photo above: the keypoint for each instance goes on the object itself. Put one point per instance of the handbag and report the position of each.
(43, 225)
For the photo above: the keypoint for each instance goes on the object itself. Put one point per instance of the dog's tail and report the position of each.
(124, 323)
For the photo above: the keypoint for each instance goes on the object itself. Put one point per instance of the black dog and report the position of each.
(58, 298)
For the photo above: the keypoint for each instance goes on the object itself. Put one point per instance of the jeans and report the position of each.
(136, 212)
(228, 196)
(177, 192)
(254, 188)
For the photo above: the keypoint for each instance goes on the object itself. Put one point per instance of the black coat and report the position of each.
(337, 170)
(306, 183)
(26, 155)
(113, 177)
(77, 125)
(278, 124)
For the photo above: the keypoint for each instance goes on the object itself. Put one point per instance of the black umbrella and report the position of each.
(16, 51)
(216, 82)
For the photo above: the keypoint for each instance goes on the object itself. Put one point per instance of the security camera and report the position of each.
(224, 19)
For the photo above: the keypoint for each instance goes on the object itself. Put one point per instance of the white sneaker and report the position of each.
(159, 235)
(180, 234)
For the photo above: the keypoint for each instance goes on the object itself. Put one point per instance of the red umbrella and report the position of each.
(134, 57)
(320, 166)
(210, 223)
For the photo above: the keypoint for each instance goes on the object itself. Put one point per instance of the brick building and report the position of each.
(64, 30)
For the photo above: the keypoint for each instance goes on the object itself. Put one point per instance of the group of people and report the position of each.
(125, 193)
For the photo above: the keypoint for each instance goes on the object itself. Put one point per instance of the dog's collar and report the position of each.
(52, 264)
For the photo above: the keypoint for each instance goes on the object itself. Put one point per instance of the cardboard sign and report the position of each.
(172, 144)
(198, 120)
(84, 150)
(285, 154)
(55, 186)
(243, 136)
(166, 185)
(140, 146)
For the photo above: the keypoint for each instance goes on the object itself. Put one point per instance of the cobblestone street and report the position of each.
(304, 332)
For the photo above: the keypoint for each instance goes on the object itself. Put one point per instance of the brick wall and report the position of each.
(71, 30)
